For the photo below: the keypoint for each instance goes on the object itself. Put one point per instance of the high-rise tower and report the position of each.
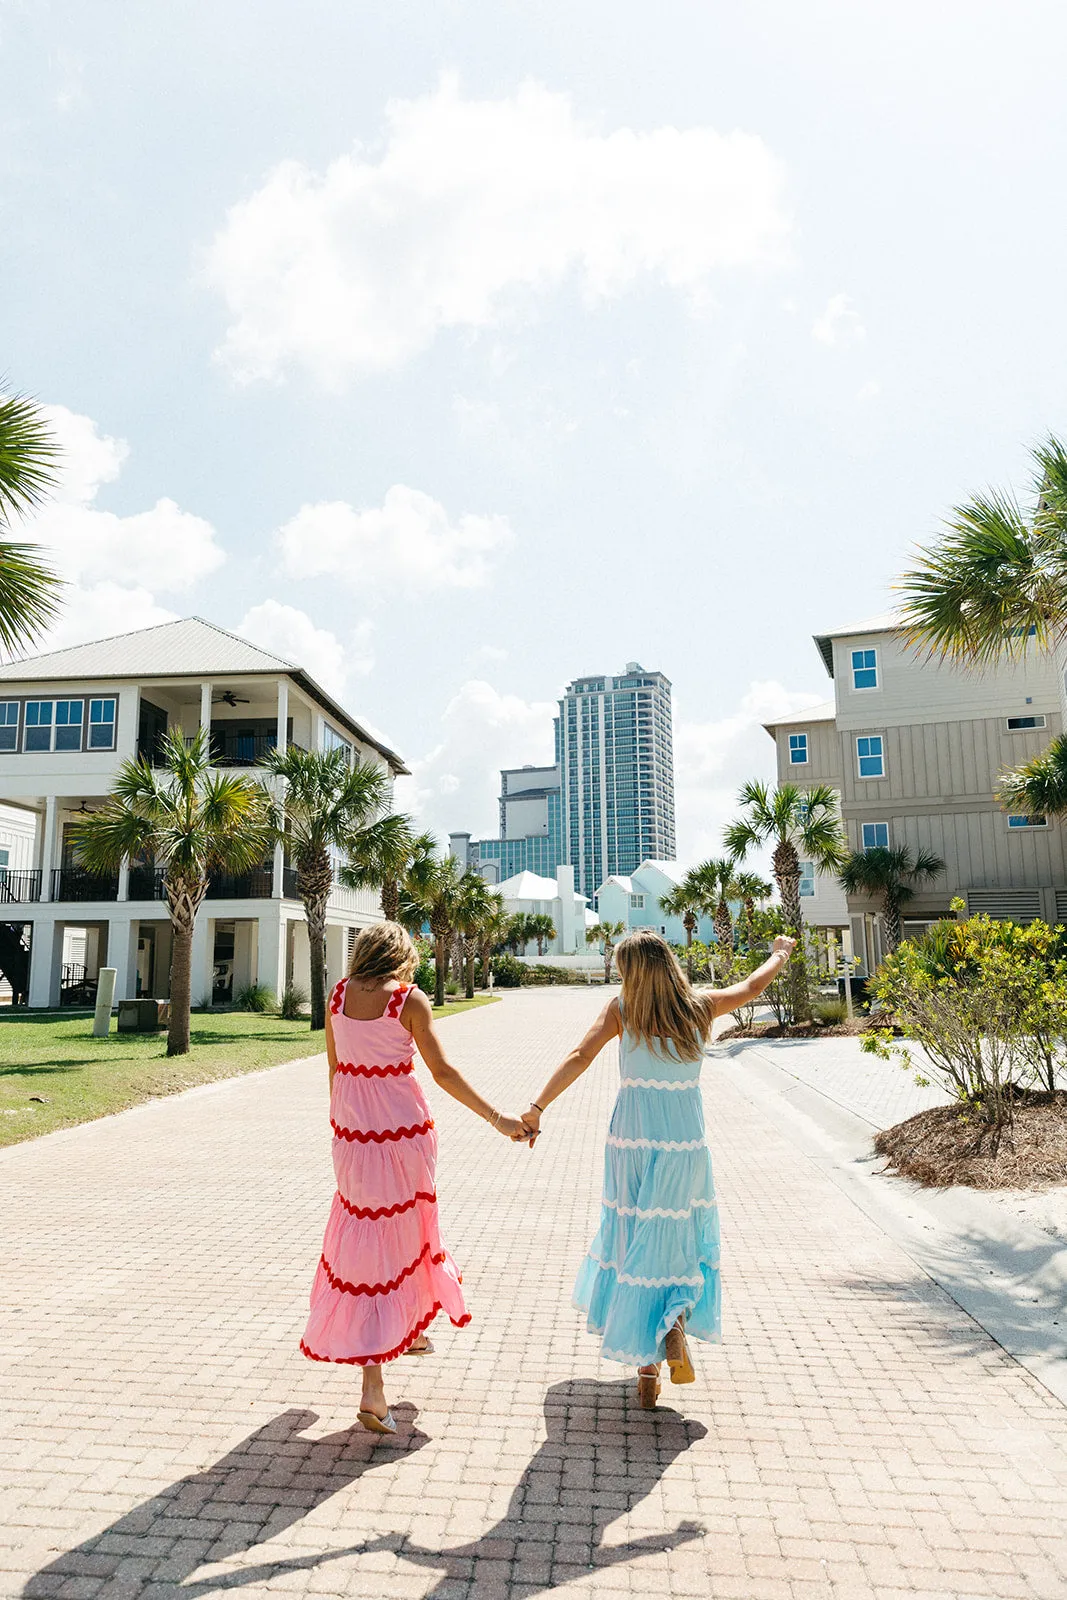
(616, 754)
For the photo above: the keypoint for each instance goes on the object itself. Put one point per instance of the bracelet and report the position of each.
(493, 1119)
(535, 1107)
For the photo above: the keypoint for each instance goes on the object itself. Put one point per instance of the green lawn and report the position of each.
(53, 1073)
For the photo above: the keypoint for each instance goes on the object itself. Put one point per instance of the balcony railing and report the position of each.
(74, 883)
(289, 888)
(227, 750)
(146, 883)
(19, 886)
(257, 885)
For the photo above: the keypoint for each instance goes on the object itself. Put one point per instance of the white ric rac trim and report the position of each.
(658, 1083)
(655, 1144)
(648, 1283)
(660, 1211)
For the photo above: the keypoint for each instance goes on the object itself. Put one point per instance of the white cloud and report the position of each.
(291, 634)
(454, 787)
(869, 390)
(839, 323)
(467, 206)
(164, 547)
(713, 759)
(409, 537)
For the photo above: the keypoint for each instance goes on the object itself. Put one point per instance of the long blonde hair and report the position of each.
(384, 950)
(658, 1004)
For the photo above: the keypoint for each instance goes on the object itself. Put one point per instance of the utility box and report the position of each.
(138, 1016)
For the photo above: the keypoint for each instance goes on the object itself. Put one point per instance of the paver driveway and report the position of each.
(856, 1435)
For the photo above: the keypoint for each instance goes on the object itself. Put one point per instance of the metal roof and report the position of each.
(825, 712)
(187, 648)
(888, 622)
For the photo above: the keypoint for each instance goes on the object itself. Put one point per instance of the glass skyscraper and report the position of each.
(615, 748)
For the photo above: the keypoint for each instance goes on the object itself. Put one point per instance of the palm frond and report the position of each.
(29, 596)
(1037, 788)
(29, 456)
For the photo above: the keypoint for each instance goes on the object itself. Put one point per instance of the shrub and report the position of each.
(507, 972)
(542, 974)
(451, 987)
(294, 999)
(425, 975)
(987, 1001)
(256, 997)
(829, 1011)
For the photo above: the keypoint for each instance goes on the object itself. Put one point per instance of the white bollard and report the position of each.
(105, 994)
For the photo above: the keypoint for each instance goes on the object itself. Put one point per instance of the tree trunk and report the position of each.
(314, 880)
(724, 935)
(891, 921)
(487, 957)
(468, 987)
(689, 950)
(440, 946)
(183, 902)
(787, 874)
(609, 950)
(390, 899)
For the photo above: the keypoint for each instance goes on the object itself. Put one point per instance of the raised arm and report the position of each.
(417, 1015)
(573, 1065)
(750, 988)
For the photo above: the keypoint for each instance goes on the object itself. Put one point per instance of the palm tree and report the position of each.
(188, 820)
(379, 858)
(609, 933)
(493, 932)
(716, 883)
(1038, 788)
(433, 892)
(477, 905)
(540, 926)
(29, 459)
(518, 934)
(750, 889)
(685, 900)
(996, 572)
(325, 807)
(798, 824)
(891, 875)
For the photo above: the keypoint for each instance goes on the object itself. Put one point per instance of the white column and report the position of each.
(283, 714)
(335, 953)
(270, 954)
(124, 880)
(202, 963)
(48, 847)
(43, 957)
(205, 706)
(122, 955)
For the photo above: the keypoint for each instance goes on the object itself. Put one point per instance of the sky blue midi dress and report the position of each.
(656, 1252)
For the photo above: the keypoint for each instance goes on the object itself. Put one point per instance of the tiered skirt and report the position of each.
(384, 1273)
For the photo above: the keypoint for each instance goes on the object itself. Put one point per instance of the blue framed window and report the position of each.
(864, 669)
(1018, 821)
(53, 725)
(1021, 724)
(875, 835)
(9, 724)
(870, 756)
(69, 714)
(807, 879)
(102, 724)
(798, 749)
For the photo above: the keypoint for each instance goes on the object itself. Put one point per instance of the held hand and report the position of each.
(783, 946)
(511, 1128)
(531, 1122)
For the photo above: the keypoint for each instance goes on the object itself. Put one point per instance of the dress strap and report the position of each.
(396, 1000)
(337, 998)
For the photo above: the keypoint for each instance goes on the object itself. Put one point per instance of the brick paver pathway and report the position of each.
(856, 1435)
(881, 1092)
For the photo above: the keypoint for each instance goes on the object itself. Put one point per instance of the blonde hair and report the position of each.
(383, 951)
(658, 1004)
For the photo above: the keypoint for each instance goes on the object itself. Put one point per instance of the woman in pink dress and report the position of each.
(384, 1274)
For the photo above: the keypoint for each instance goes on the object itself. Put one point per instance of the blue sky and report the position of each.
(462, 349)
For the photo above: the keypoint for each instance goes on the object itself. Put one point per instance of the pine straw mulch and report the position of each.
(795, 1030)
(947, 1145)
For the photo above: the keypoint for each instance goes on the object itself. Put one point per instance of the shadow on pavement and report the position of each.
(601, 1458)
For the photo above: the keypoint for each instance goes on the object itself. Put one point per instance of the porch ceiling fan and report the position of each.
(229, 698)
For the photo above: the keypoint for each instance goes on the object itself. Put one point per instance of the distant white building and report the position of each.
(635, 900)
(68, 720)
(554, 897)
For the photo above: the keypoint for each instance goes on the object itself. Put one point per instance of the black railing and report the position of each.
(74, 883)
(289, 888)
(76, 988)
(15, 886)
(146, 883)
(257, 885)
(240, 749)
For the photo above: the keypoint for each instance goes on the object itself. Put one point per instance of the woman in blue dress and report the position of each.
(652, 1273)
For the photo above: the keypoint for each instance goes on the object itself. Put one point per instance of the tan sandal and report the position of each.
(376, 1424)
(648, 1388)
(679, 1360)
(420, 1350)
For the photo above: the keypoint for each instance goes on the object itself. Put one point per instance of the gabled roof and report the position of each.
(190, 647)
(888, 622)
(620, 883)
(824, 712)
(666, 869)
(528, 886)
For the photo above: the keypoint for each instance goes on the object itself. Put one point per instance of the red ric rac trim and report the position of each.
(392, 1134)
(396, 1001)
(360, 1071)
(389, 1355)
(381, 1288)
(337, 998)
(375, 1213)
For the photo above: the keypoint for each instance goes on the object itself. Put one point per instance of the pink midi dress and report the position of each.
(384, 1274)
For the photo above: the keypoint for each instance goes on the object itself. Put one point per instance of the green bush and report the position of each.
(451, 987)
(507, 972)
(829, 1011)
(256, 997)
(426, 975)
(294, 999)
(542, 974)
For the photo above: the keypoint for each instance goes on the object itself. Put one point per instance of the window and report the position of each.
(9, 724)
(869, 755)
(875, 835)
(798, 749)
(1018, 724)
(53, 725)
(101, 724)
(332, 740)
(864, 669)
(807, 879)
(1018, 821)
(637, 902)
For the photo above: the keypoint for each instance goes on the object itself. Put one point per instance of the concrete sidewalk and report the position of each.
(856, 1435)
